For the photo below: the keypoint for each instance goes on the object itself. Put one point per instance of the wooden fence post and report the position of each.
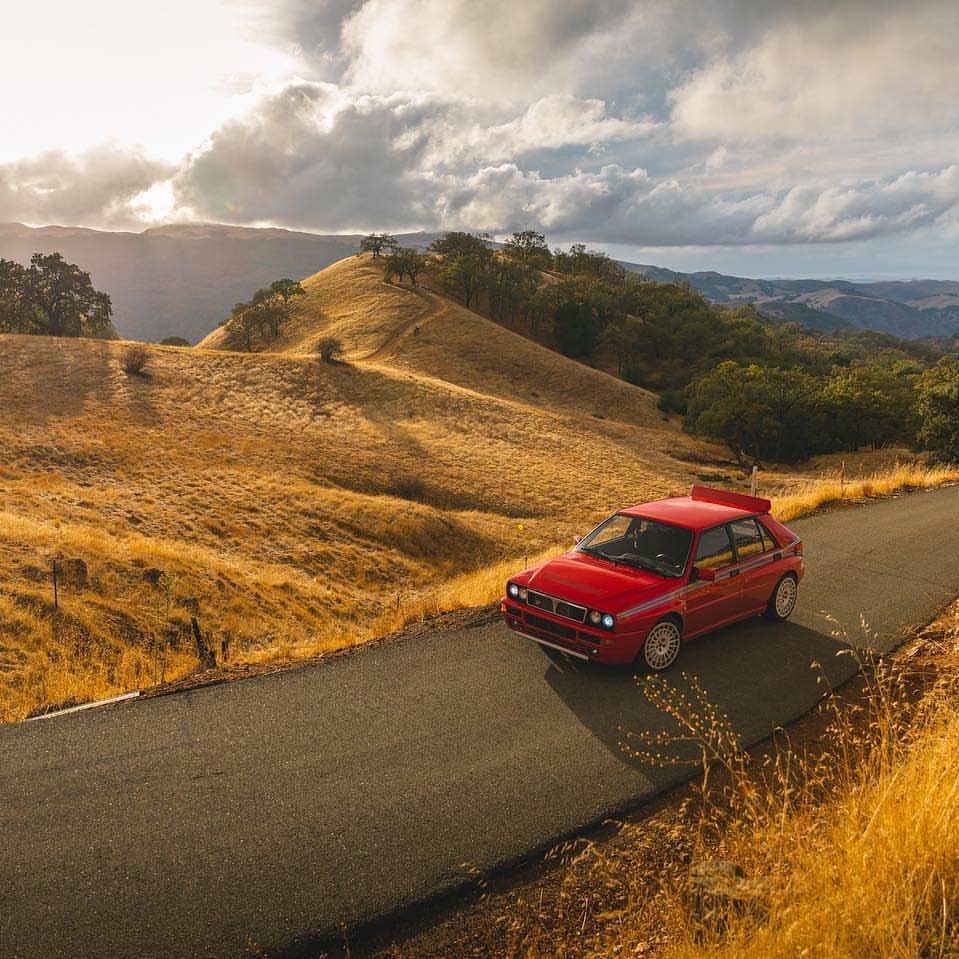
(203, 651)
(56, 597)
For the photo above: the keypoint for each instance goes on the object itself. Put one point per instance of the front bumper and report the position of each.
(562, 634)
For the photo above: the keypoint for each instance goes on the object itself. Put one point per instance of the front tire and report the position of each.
(783, 600)
(662, 645)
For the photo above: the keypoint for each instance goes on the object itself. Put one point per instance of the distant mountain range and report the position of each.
(908, 308)
(183, 279)
(178, 280)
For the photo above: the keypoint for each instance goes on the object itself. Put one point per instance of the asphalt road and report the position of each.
(276, 809)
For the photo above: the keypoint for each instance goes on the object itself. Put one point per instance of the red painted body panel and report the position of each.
(576, 583)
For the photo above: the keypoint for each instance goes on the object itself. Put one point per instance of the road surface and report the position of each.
(274, 810)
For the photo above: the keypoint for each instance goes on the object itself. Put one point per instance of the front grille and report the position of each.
(558, 606)
(548, 626)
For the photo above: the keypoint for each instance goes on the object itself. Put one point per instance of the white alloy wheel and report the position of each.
(784, 599)
(662, 645)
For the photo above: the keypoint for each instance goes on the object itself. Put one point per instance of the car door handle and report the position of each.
(734, 572)
(777, 556)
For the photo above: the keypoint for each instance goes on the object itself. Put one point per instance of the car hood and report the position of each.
(598, 583)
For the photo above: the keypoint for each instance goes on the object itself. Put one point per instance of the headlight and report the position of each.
(513, 589)
(522, 593)
(595, 617)
(608, 621)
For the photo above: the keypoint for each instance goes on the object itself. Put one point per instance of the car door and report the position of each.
(711, 603)
(754, 559)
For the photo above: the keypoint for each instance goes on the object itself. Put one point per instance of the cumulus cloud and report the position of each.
(852, 71)
(315, 156)
(100, 186)
(499, 49)
(310, 157)
(857, 211)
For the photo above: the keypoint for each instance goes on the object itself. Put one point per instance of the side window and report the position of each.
(769, 541)
(746, 536)
(714, 550)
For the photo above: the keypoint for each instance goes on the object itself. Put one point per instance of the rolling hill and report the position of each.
(292, 505)
(912, 309)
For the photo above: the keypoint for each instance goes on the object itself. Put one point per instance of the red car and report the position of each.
(654, 575)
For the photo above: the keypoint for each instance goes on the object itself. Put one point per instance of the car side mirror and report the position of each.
(705, 575)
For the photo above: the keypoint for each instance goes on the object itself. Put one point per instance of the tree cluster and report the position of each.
(53, 298)
(771, 391)
(265, 313)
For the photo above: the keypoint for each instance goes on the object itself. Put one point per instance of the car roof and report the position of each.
(703, 508)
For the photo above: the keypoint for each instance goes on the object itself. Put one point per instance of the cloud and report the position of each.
(316, 157)
(640, 122)
(852, 71)
(498, 50)
(310, 157)
(555, 122)
(313, 156)
(99, 186)
(858, 211)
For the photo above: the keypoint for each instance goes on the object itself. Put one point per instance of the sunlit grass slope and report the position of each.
(293, 505)
(427, 334)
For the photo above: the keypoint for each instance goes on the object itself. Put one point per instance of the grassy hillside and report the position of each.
(430, 335)
(292, 504)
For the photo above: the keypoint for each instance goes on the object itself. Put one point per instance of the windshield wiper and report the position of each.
(640, 563)
(598, 552)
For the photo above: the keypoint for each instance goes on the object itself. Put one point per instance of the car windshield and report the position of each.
(643, 543)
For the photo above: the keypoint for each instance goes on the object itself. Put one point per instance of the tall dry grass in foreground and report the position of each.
(850, 846)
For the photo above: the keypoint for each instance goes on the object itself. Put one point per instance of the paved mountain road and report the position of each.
(277, 808)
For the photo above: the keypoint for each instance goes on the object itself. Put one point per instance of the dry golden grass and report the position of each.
(297, 506)
(858, 844)
(812, 494)
(847, 830)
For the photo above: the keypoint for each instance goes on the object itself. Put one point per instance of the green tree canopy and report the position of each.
(529, 247)
(378, 244)
(938, 409)
(53, 298)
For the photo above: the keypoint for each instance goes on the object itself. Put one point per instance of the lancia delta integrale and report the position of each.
(655, 575)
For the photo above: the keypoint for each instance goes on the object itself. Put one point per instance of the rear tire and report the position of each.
(783, 600)
(661, 647)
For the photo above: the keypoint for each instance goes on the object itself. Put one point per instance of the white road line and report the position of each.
(76, 709)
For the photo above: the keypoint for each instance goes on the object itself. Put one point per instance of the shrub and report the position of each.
(331, 349)
(175, 341)
(407, 487)
(134, 358)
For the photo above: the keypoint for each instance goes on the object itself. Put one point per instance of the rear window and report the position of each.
(747, 537)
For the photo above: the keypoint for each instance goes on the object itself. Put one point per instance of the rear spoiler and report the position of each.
(752, 504)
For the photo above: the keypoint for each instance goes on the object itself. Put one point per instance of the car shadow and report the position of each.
(758, 674)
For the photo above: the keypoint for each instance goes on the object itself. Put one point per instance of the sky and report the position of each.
(759, 137)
